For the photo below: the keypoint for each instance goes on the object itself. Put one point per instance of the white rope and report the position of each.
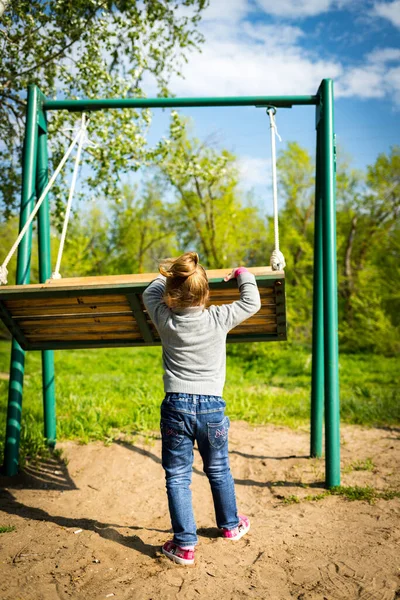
(3, 267)
(277, 258)
(56, 273)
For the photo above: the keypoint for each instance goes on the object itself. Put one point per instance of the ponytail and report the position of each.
(187, 283)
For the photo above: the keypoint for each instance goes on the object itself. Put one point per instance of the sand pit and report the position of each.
(93, 528)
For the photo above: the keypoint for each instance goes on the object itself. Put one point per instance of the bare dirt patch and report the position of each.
(93, 528)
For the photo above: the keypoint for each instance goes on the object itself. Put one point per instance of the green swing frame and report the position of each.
(325, 381)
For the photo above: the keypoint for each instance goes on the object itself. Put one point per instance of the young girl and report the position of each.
(193, 339)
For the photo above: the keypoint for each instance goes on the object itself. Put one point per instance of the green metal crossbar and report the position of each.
(112, 103)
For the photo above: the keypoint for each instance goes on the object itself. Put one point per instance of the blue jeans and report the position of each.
(184, 419)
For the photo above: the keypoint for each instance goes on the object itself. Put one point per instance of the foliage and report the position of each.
(87, 246)
(369, 259)
(210, 214)
(296, 226)
(368, 240)
(189, 200)
(89, 48)
(142, 229)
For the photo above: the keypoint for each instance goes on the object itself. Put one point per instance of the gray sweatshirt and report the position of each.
(194, 339)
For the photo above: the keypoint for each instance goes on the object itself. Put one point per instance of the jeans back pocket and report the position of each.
(218, 433)
(171, 433)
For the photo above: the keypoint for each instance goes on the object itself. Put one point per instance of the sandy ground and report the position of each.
(93, 528)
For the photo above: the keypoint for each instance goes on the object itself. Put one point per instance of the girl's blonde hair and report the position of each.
(187, 283)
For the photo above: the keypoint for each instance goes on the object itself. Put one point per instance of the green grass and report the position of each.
(7, 529)
(102, 392)
(292, 499)
(360, 465)
(352, 493)
(367, 494)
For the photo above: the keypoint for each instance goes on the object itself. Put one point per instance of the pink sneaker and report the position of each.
(178, 554)
(237, 532)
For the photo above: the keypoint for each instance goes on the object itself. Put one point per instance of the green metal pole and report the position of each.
(106, 103)
(14, 408)
(317, 375)
(331, 348)
(49, 408)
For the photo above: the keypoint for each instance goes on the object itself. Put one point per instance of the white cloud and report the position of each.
(233, 11)
(389, 10)
(364, 82)
(254, 171)
(271, 35)
(393, 81)
(384, 55)
(226, 10)
(293, 9)
(250, 60)
(242, 58)
(374, 79)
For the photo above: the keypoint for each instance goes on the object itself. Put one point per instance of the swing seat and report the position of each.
(108, 311)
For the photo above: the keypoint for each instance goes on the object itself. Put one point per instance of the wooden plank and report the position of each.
(110, 281)
(252, 337)
(76, 319)
(72, 311)
(260, 320)
(87, 344)
(111, 299)
(63, 337)
(49, 329)
(234, 293)
(268, 328)
(256, 326)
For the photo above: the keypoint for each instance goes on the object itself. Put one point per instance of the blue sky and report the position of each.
(285, 47)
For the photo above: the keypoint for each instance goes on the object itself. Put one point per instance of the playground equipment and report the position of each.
(101, 312)
(108, 311)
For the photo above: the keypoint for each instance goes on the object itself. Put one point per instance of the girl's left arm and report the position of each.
(153, 299)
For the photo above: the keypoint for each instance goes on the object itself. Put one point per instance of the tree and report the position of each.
(142, 230)
(87, 245)
(296, 224)
(368, 243)
(211, 215)
(296, 178)
(89, 48)
(371, 258)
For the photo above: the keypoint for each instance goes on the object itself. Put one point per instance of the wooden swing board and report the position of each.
(108, 311)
